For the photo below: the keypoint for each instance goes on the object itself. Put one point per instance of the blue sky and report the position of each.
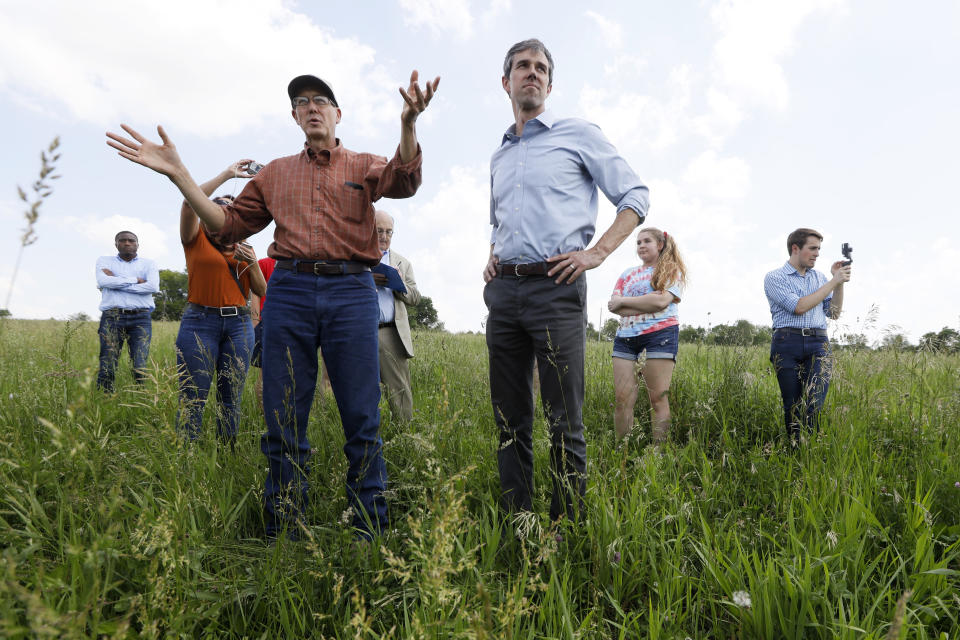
(746, 119)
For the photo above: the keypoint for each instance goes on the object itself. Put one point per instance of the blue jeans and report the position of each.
(116, 328)
(339, 315)
(209, 344)
(803, 369)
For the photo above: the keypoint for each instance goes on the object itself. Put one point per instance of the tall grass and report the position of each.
(111, 525)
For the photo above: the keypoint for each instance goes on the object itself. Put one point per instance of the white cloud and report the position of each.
(92, 62)
(716, 177)
(636, 119)
(441, 17)
(447, 240)
(493, 12)
(610, 32)
(153, 240)
(754, 37)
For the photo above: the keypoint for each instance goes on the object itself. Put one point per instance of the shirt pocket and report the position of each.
(356, 204)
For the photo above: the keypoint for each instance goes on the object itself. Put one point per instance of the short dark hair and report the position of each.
(119, 233)
(799, 238)
(524, 45)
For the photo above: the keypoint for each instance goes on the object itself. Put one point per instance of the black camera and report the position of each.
(847, 252)
(254, 168)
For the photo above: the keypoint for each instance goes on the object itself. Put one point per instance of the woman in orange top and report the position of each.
(216, 335)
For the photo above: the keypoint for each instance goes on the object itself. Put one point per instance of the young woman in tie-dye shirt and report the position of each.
(646, 298)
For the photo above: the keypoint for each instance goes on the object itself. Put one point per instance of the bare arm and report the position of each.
(189, 223)
(572, 264)
(258, 284)
(254, 307)
(836, 303)
(648, 303)
(841, 274)
(164, 159)
(415, 101)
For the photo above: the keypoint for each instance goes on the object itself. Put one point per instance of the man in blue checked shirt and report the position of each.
(127, 283)
(801, 299)
(543, 207)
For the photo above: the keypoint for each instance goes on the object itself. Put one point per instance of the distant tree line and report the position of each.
(741, 333)
(172, 298)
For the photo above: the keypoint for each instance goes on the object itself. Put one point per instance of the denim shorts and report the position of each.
(659, 345)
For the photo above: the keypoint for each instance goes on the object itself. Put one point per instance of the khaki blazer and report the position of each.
(401, 300)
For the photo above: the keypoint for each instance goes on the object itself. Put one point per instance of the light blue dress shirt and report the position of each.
(121, 290)
(784, 288)
(543, 188)
(385, 296)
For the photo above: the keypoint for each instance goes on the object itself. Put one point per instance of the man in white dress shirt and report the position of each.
(127, 283)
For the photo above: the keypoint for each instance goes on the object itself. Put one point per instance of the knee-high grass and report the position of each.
(112, 525)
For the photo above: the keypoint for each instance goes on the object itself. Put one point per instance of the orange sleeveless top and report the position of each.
(208, 275)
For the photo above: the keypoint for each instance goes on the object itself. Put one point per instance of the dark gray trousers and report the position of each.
(531, 317)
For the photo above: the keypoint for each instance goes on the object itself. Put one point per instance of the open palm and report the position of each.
(162, 158)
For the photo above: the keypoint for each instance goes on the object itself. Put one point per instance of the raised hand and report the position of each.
(245, 252)
(415, 101)
(238, 169)
(162, 158)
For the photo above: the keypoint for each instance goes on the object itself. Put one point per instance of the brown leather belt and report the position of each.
(384, 325)
(323, 267)
(518, 270)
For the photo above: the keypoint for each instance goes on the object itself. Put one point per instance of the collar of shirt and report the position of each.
(325, 156)
(385, 258)
(547, 119)
(789, 270)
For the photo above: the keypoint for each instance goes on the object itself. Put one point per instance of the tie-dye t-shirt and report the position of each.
(633, 283)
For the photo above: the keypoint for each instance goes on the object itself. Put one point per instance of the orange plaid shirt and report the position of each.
(322, 203)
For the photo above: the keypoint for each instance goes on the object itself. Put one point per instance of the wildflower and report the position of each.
(832, 538)
(957, 484)
(741, 599)
(616, 557)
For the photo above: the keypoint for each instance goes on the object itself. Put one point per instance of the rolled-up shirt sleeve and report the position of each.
(395, 179)
(616, 179)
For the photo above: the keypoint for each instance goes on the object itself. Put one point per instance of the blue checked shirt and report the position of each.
(784, 288)
(121, 290)
(543, 188)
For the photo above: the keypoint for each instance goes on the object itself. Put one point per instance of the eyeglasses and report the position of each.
(320, 101)
(385, 232)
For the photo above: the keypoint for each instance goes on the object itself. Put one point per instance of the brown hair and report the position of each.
(524, 45)
(799, 238)
(670, 267)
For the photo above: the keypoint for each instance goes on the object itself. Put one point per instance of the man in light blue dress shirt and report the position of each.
(127, 283)
(543, 208)
(801, 299)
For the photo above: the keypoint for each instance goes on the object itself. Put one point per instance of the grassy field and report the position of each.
(111, 526)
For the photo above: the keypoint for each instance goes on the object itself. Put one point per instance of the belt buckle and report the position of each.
(806, 332)
(516, 270)
(223, 313)
(316, 270)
